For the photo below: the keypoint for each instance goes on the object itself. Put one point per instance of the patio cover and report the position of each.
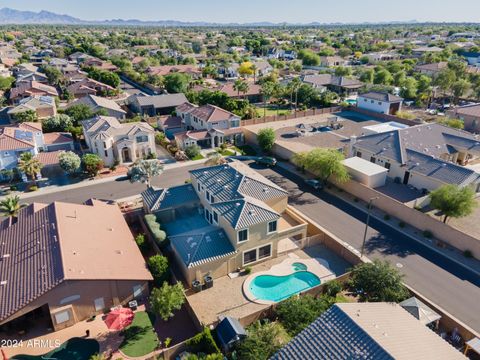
(119, 319)
(421, 311)
(229, 330)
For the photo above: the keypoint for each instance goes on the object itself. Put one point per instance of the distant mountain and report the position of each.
(12, 16)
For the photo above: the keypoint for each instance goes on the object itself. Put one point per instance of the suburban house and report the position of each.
(422, 50)
(469, 114)
(423, 156)
(156, 105)
(163, 70)
(98, 64)
(253, 94)
(63, 263)
(88, 86)
(114, 141)
(97, 103)
(381, 56)
(473, 58)
(331, 61)
(339, 84)
(207, 126)
(379, 331)
(43, 106)
(379, 102)
(28, 137)
(431, 69)
(228, 217)
(31, 88)
(282, 54)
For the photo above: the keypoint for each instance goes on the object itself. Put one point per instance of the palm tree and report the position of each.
(10, 206)
(294, 86)
(241, 86)
(29, 165)
(144, 170)
(267, 90)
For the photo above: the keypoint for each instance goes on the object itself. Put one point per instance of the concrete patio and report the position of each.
(226, 297)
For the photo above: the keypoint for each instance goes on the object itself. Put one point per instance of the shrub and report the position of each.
(332, 288)
(401, 224)
(92, 164)
(428, 234)
(386, 217)
(69, 162)
(468, 254)
(154, 227)
(140, 240)
(203, 343)
(158, 266)
(192, 151)
(248, 270)
(33, 188)
(266, 139)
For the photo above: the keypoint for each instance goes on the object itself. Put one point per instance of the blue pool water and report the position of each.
(298, 266)
(277, 288)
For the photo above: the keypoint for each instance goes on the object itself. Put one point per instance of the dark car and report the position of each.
(267, 161)
(317, 185)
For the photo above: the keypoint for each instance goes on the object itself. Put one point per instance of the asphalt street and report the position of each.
(445, 282)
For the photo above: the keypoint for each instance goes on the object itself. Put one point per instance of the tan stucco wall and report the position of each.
(113, 292)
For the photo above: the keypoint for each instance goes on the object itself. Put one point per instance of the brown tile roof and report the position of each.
(208, 113)
(49, 158)
(170, 121)
(31, 88)
(253, 89)
(53, 243)
(57, 138)
(167, 69)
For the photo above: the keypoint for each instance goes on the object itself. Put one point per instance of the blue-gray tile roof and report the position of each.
(160, 199)
(229, 330)
(332, 336)
(202, 246)
(242, 214)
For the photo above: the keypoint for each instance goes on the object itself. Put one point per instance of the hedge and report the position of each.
(159, 235)
(203, 343)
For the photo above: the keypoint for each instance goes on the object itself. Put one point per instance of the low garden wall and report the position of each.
(443, 232)
(294, 115)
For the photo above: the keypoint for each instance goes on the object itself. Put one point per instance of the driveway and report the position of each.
(436, 277)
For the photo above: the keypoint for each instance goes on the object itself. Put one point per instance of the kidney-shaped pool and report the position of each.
(277, 288)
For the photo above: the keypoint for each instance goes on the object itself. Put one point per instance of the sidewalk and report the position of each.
(56, 188)
(414, 233)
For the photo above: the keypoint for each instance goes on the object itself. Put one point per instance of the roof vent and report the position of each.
(237, 204)
(192, 245)
(208, 238)
(3, 283)
(189, 239)
(252, 212)
(5, 256)
(265, 190)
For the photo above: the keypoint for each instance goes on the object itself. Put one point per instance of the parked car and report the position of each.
(267, 161)
(315, 184)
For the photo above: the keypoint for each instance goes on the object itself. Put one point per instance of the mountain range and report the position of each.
(18, 17)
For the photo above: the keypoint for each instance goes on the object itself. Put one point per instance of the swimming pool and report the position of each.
(73, 349)
(277, 288)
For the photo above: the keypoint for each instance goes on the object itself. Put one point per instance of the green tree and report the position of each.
(445, 80)
(240, 86)
(245, 69)
(6, 83)
(297, 312)
(453, 201)
(176, 82)
(54, 76)
(383, 77)
(79, 112)
(25, 116)
(367, 76)
(60, 122)
(158, 266)
(262, 341)
(92, 164)
(166, 299)
(10, 206)
(409, 88)
(267, 90)
(343, 71)
(144, 170)
(459, 89)
(323, 163)
(69, 162)
(309, 58)
(266, 139)
(29, 165)
(378, 281)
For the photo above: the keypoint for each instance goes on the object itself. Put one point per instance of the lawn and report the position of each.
(198, 157)
(272, 110)
(139, 337)
(226, 152)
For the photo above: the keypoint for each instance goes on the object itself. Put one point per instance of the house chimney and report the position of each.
(353, 141)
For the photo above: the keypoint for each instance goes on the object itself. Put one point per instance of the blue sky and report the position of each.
(260, 10)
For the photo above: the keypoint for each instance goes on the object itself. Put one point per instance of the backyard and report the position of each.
(272, 110)
(73, 349)
(139, 337)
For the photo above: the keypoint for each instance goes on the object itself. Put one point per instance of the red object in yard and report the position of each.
(119, 319)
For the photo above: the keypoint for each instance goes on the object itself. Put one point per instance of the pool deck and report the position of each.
(226, 297)
(318, 267)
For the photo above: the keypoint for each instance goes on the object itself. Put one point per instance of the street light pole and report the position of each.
(366, 224)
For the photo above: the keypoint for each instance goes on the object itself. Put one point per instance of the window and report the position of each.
(272, 226)
(99, 304)
(208, 216)
(106, 153)
(243, 235)
(215, 217)
(137, 291)
(62, 317)
(207, 195)
(264, 251)
(212, 199)
(142, 139)
(387, 165)
(198, 186)
(104, 145)
(379, 103)
(373, 160)
(249, 256)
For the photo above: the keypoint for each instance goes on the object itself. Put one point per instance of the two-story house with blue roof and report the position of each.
(423, 156)
(227, 218)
